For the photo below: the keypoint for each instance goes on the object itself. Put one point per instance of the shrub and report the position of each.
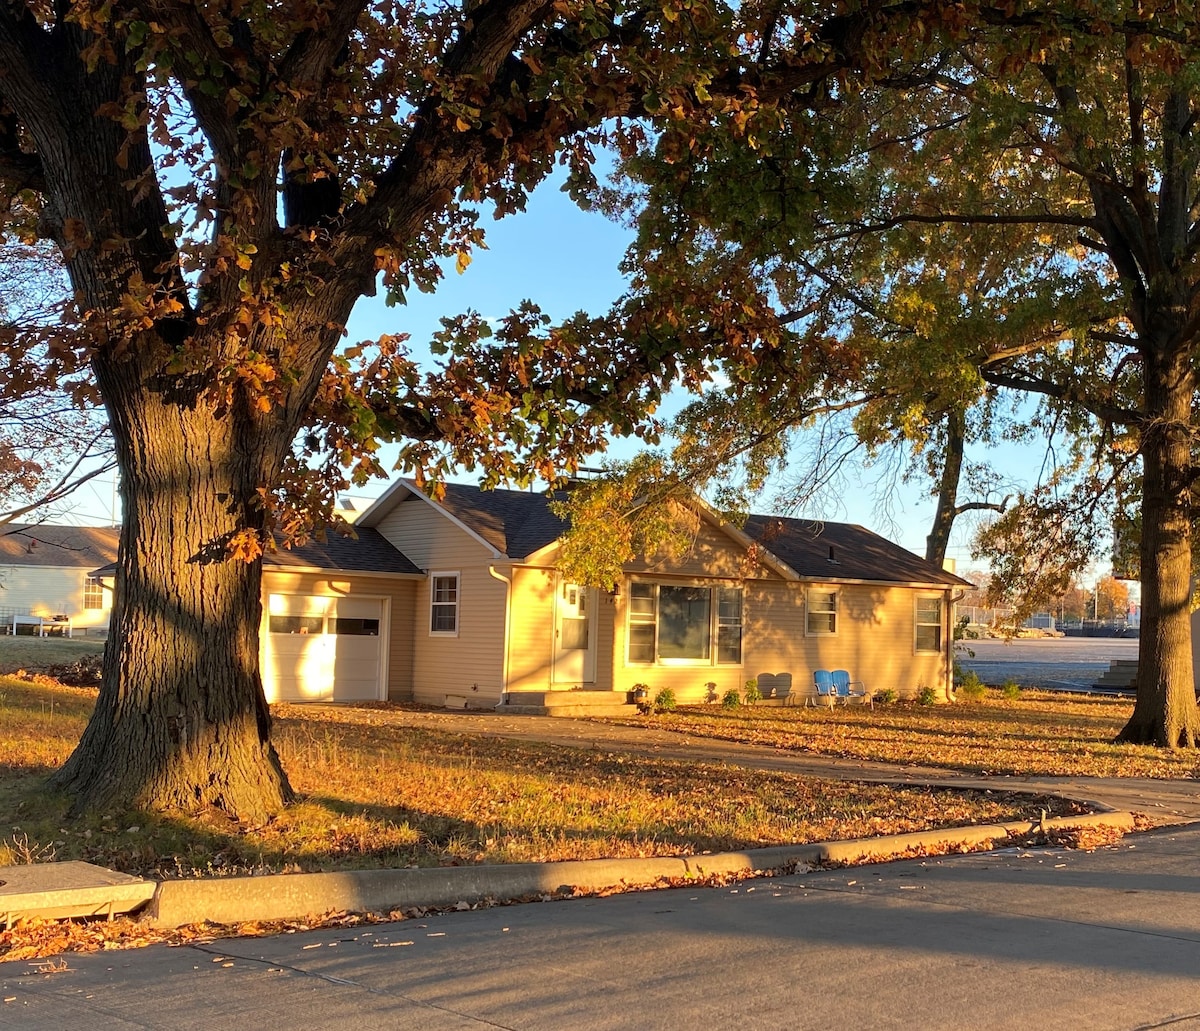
(1011, 689)
(731, 699)
(887, 696)
(926, 695)
(664, 701)
(710, 691)
(753, 694)
(971, 688)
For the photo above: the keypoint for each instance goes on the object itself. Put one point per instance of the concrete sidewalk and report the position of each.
(1008, 941)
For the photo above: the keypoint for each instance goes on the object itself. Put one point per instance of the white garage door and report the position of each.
(318, 649)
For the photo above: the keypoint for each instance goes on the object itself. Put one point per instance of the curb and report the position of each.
(270, 897)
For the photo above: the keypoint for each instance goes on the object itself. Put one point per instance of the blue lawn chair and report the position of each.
(826, 692)
(844, 688)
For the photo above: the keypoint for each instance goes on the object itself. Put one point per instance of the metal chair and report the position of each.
(823, 681)
(844, 688)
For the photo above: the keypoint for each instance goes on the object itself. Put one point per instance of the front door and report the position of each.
(575, 634)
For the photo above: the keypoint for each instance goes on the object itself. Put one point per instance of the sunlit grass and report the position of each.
(1039, 733)
(375, 793)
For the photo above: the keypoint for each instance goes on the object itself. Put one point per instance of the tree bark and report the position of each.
(181, 720)
(1165, 712)
(947, 505)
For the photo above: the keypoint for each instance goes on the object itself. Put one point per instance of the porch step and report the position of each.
(568, 703)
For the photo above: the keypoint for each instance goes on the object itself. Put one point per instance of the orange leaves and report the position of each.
(143, 303)
(244, 546)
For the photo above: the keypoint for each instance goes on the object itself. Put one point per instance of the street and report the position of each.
(1015, 939)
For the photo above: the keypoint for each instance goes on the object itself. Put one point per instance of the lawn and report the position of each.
(378, 794)
(33, 653)
(1038, 733)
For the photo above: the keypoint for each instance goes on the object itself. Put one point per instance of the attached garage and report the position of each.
(325, 649)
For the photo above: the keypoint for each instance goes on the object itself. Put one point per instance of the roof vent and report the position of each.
(832, 556)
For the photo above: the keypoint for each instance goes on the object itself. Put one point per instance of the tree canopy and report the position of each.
(224, 181)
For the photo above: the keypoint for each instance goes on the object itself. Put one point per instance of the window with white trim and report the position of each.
(443, 604)
(93, 593)
(676, 624)
(821, 612)
(929, 624)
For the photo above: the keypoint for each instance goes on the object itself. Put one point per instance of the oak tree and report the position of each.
(223, 182)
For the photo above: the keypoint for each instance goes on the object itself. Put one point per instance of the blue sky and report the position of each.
(566, 260)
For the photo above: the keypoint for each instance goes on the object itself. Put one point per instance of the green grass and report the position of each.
(376, 793)
(28, 652)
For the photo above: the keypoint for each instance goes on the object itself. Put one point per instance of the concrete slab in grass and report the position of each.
(59, 890)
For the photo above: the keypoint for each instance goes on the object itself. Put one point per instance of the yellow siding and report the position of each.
(429, 538)
(712, 553)
(531, 635)
(466, 670)
(875, 641)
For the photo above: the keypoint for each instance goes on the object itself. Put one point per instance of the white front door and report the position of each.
(575, 634)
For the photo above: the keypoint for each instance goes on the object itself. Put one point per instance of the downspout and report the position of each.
(507, 581)
(954, 600)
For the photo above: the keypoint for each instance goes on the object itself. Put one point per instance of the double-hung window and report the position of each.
(677, 624)
(93, 593)
(822, 614)
(443, 604)
(929, 624)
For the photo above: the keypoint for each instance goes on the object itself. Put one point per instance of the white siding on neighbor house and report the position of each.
(464, 670)
(49, 591)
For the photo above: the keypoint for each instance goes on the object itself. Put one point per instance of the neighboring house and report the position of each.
(496, 623)
(46, 571)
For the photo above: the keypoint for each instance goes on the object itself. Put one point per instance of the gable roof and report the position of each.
(371, 552)
(843, 551)
(84, 547)
(518, 524)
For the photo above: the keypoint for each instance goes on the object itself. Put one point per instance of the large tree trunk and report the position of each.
(181, 720)
(1165, 712)
(938, 540)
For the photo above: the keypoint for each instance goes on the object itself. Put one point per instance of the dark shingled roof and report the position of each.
(84, 546)
(519, 523)
(516, 523)
(370, 553)
(858, 554)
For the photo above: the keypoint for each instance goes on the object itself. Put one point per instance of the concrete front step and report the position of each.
(568, 703)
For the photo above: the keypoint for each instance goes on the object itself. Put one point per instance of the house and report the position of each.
(46, 571)
(496, 624)
(458, 602)
(331, 609)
